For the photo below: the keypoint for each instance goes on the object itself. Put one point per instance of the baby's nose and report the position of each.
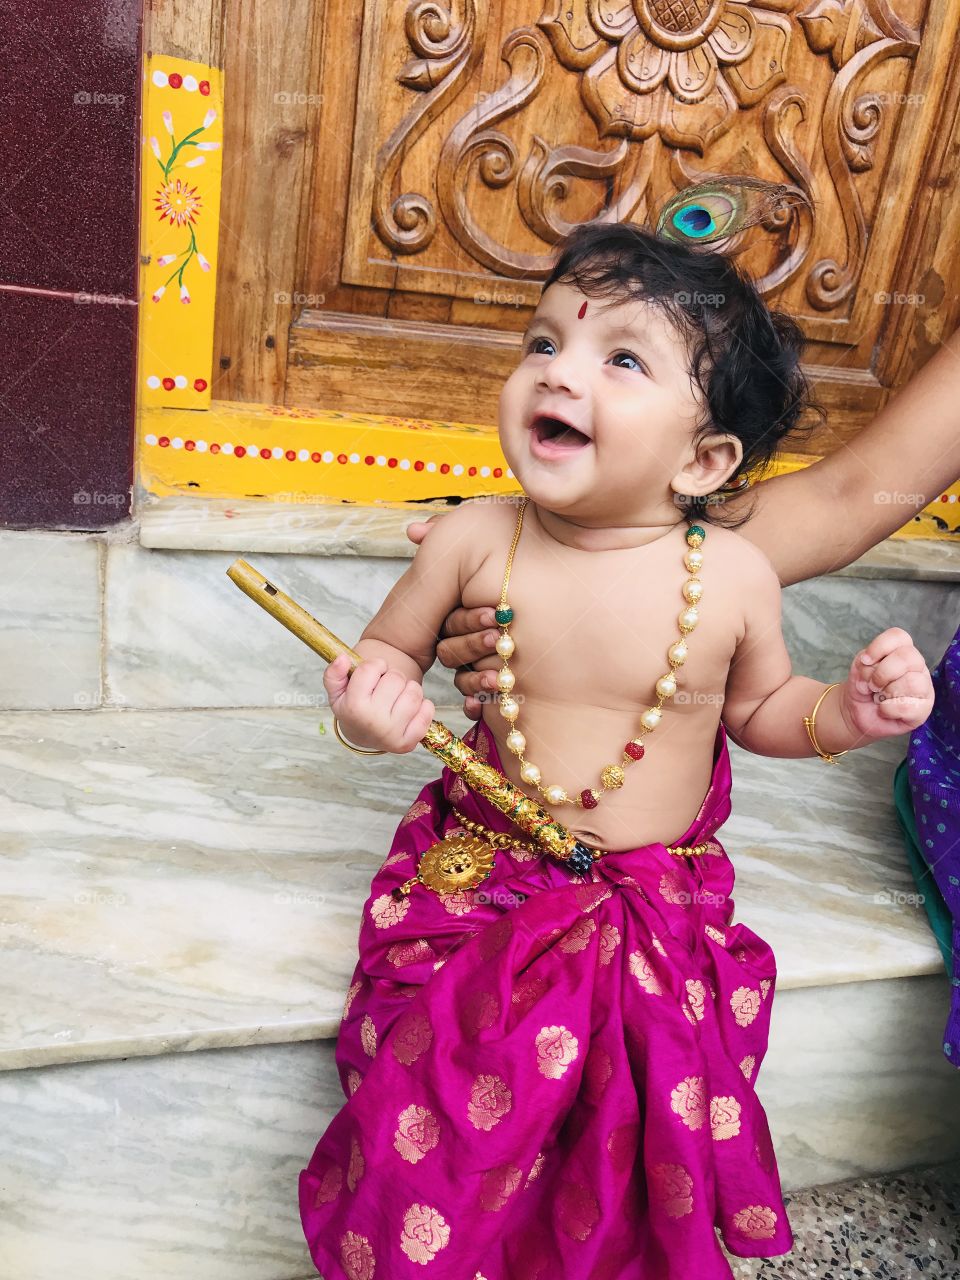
(564, 373)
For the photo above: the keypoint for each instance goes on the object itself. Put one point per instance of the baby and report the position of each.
(610, 432)
(550, 1074)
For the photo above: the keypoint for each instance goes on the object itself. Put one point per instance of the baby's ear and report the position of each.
(718, 458)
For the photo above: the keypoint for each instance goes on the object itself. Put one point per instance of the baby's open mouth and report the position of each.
(554, 432)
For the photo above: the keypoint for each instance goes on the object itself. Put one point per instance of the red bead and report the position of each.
(588, 799)
(634, 750)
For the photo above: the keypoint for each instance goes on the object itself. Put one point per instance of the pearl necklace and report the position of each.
(612, 775)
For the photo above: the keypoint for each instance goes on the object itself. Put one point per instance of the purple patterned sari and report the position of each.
(933, 765)
(549, 1076)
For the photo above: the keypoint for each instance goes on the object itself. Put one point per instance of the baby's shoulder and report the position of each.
(483, 519)
(736, 559)
(472, 530)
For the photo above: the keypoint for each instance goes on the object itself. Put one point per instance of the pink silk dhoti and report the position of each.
(550, 1076)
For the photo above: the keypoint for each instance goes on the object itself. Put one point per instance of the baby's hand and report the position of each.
(376, 707)
(892, 667)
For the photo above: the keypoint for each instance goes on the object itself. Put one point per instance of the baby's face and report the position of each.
(618, 374)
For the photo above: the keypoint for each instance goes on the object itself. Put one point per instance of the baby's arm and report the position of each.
(764, 704)
(381, 705)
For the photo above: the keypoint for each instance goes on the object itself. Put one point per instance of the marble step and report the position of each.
(114, 624)
(193, 879)
(186, 1165)
(181, 896)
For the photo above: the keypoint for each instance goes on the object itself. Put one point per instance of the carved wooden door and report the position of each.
(460, 141)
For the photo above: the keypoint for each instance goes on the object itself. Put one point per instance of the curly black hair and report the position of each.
(744, 356)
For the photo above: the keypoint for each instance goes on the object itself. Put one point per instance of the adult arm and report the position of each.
(828, 514)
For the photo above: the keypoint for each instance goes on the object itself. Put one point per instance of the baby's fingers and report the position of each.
(903, 707)
(886, 642)
(336, 677)
(418, 726)
(908, 698)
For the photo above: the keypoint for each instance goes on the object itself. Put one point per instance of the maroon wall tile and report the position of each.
(67, 388)
(69, 144)
(69, 240)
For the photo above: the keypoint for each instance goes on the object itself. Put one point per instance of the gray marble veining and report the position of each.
(50, 622)
(178, 879)
(195, 879)
(187, 1164)
(180, 634)
(182, 1167)
(827, 620)
(223, 524)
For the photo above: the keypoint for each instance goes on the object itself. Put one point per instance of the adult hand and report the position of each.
(468, 636)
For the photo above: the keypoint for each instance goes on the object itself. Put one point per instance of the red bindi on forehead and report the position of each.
(582, 312)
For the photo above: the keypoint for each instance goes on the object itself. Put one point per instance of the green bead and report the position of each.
(696, 529)
(504, 617)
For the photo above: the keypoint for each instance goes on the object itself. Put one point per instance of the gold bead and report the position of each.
(692, 590)
(612, 776)
(509, 707)
(505, 679)
(555, 794)
(505, 645)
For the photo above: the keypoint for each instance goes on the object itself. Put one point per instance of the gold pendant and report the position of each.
(457, 862)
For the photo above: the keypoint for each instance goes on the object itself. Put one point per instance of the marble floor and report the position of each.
(888, 1228)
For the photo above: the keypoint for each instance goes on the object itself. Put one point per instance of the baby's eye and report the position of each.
(637, 364)
(532, 348)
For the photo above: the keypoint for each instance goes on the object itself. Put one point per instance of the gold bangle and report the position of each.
(810, 722)
(361, 751)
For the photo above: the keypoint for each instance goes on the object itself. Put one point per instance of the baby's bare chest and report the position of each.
(594, 629)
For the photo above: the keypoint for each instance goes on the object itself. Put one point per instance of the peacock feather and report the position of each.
(721, 207)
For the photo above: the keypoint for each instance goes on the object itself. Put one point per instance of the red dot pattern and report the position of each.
(240, 451)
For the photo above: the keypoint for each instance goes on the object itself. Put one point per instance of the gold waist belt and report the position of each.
(459, 861)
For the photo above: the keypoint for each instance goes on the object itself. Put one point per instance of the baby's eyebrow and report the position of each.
(637, 334)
